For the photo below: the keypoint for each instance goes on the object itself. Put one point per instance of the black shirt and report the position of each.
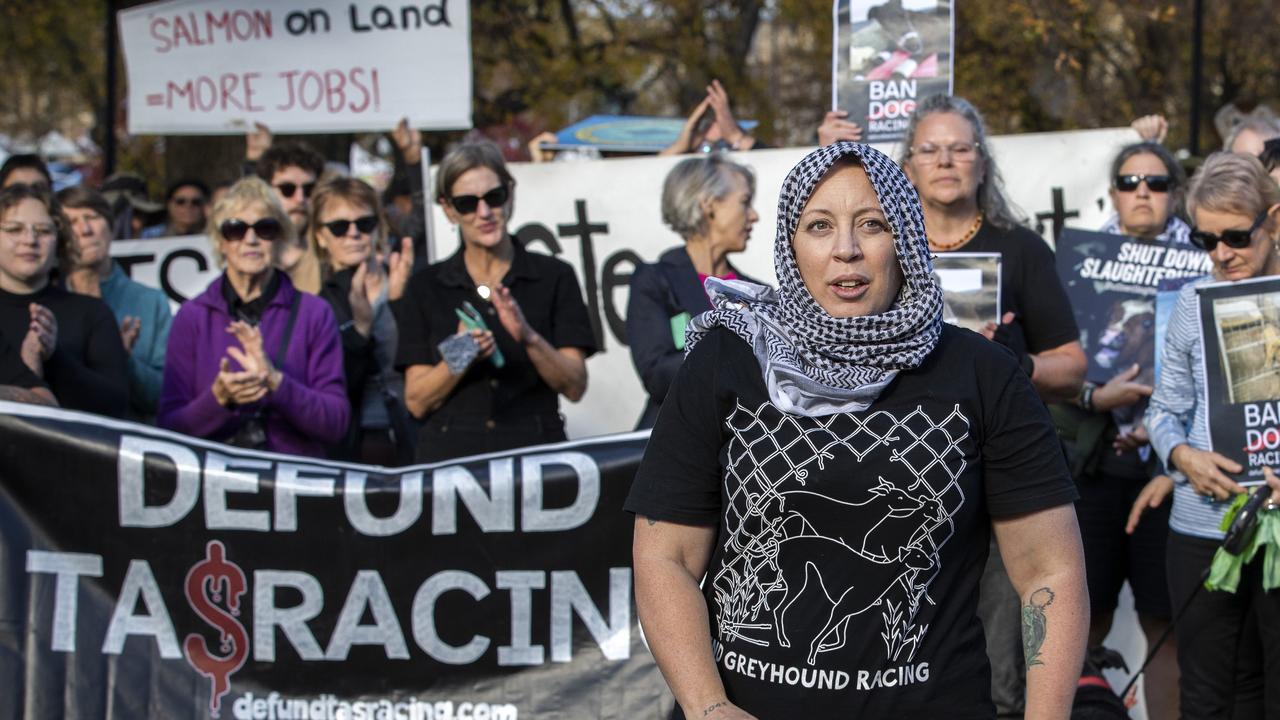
(887, 510)
(251, 311)
(89, 368)
(488, 399)
(1029, 285)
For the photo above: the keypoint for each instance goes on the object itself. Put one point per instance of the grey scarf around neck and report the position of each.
(815, 364)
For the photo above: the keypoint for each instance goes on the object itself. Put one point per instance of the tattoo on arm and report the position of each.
(713, 707)
(650, 520)
(1035, 625)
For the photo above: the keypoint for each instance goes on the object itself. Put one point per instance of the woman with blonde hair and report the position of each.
(252, 361)
(348, 232)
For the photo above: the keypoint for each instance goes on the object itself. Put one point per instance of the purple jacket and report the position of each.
(305, 414)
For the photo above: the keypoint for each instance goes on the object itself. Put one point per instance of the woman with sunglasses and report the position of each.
(1225, 640)
(252, 361)
(348, 233)
(70, 342)
(1123, 508)
(184, 206)
(529, 329)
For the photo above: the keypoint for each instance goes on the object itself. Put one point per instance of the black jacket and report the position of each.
(659, 292)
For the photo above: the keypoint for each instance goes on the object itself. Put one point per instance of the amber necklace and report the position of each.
(973, 230)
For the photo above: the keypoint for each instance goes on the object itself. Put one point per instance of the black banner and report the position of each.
(1240, 333)
(1112, 282)
(146, 574)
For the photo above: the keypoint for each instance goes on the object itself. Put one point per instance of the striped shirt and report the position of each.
(1178, 415)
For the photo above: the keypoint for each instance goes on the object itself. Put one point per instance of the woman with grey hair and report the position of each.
(707, 201)
(494, 381)
(947, 158)
(814, 502)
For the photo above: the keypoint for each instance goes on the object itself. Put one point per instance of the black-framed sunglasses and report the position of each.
(287, 189)
(1237, 239)
(339, 228)
(467, 204)
(266, 229)
(1155, 183)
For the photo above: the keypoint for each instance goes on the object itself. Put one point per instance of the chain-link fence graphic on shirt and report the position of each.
(881, 550)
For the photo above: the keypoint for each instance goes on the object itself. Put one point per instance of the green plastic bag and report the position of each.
(1224, 573)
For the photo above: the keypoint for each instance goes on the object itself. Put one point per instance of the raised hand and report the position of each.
(536, 153)
(409, 141)
(1151, 128)
(401, 268)
(835, 128)
(129, 329)
(257, 142)
(684, 141)
(728, 125)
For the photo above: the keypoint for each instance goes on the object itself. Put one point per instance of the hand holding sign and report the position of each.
(1207, 471)
(836, 127)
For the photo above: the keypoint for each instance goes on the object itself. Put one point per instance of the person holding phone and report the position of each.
(531, 305)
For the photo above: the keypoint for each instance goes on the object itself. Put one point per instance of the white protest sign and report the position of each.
(219, 66)
(604, 216)
(180, 266)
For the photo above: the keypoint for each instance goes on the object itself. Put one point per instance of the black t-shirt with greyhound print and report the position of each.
(843, 581)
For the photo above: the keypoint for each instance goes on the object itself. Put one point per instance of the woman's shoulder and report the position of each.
(721, 346)
(959, 347)
(68, 306)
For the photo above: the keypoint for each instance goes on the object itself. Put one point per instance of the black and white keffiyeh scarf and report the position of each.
(815, 364)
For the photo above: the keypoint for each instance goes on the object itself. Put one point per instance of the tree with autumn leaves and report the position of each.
(1032, 65)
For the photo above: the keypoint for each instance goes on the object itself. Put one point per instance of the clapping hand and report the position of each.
(129, 329)
(729, 129)
(41, 338)
(511, 316)
(358, 297)
(400, 270)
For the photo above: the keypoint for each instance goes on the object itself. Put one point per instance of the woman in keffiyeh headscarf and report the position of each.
(833, 459)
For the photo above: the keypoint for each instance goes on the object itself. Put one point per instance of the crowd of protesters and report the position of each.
(319, 338)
